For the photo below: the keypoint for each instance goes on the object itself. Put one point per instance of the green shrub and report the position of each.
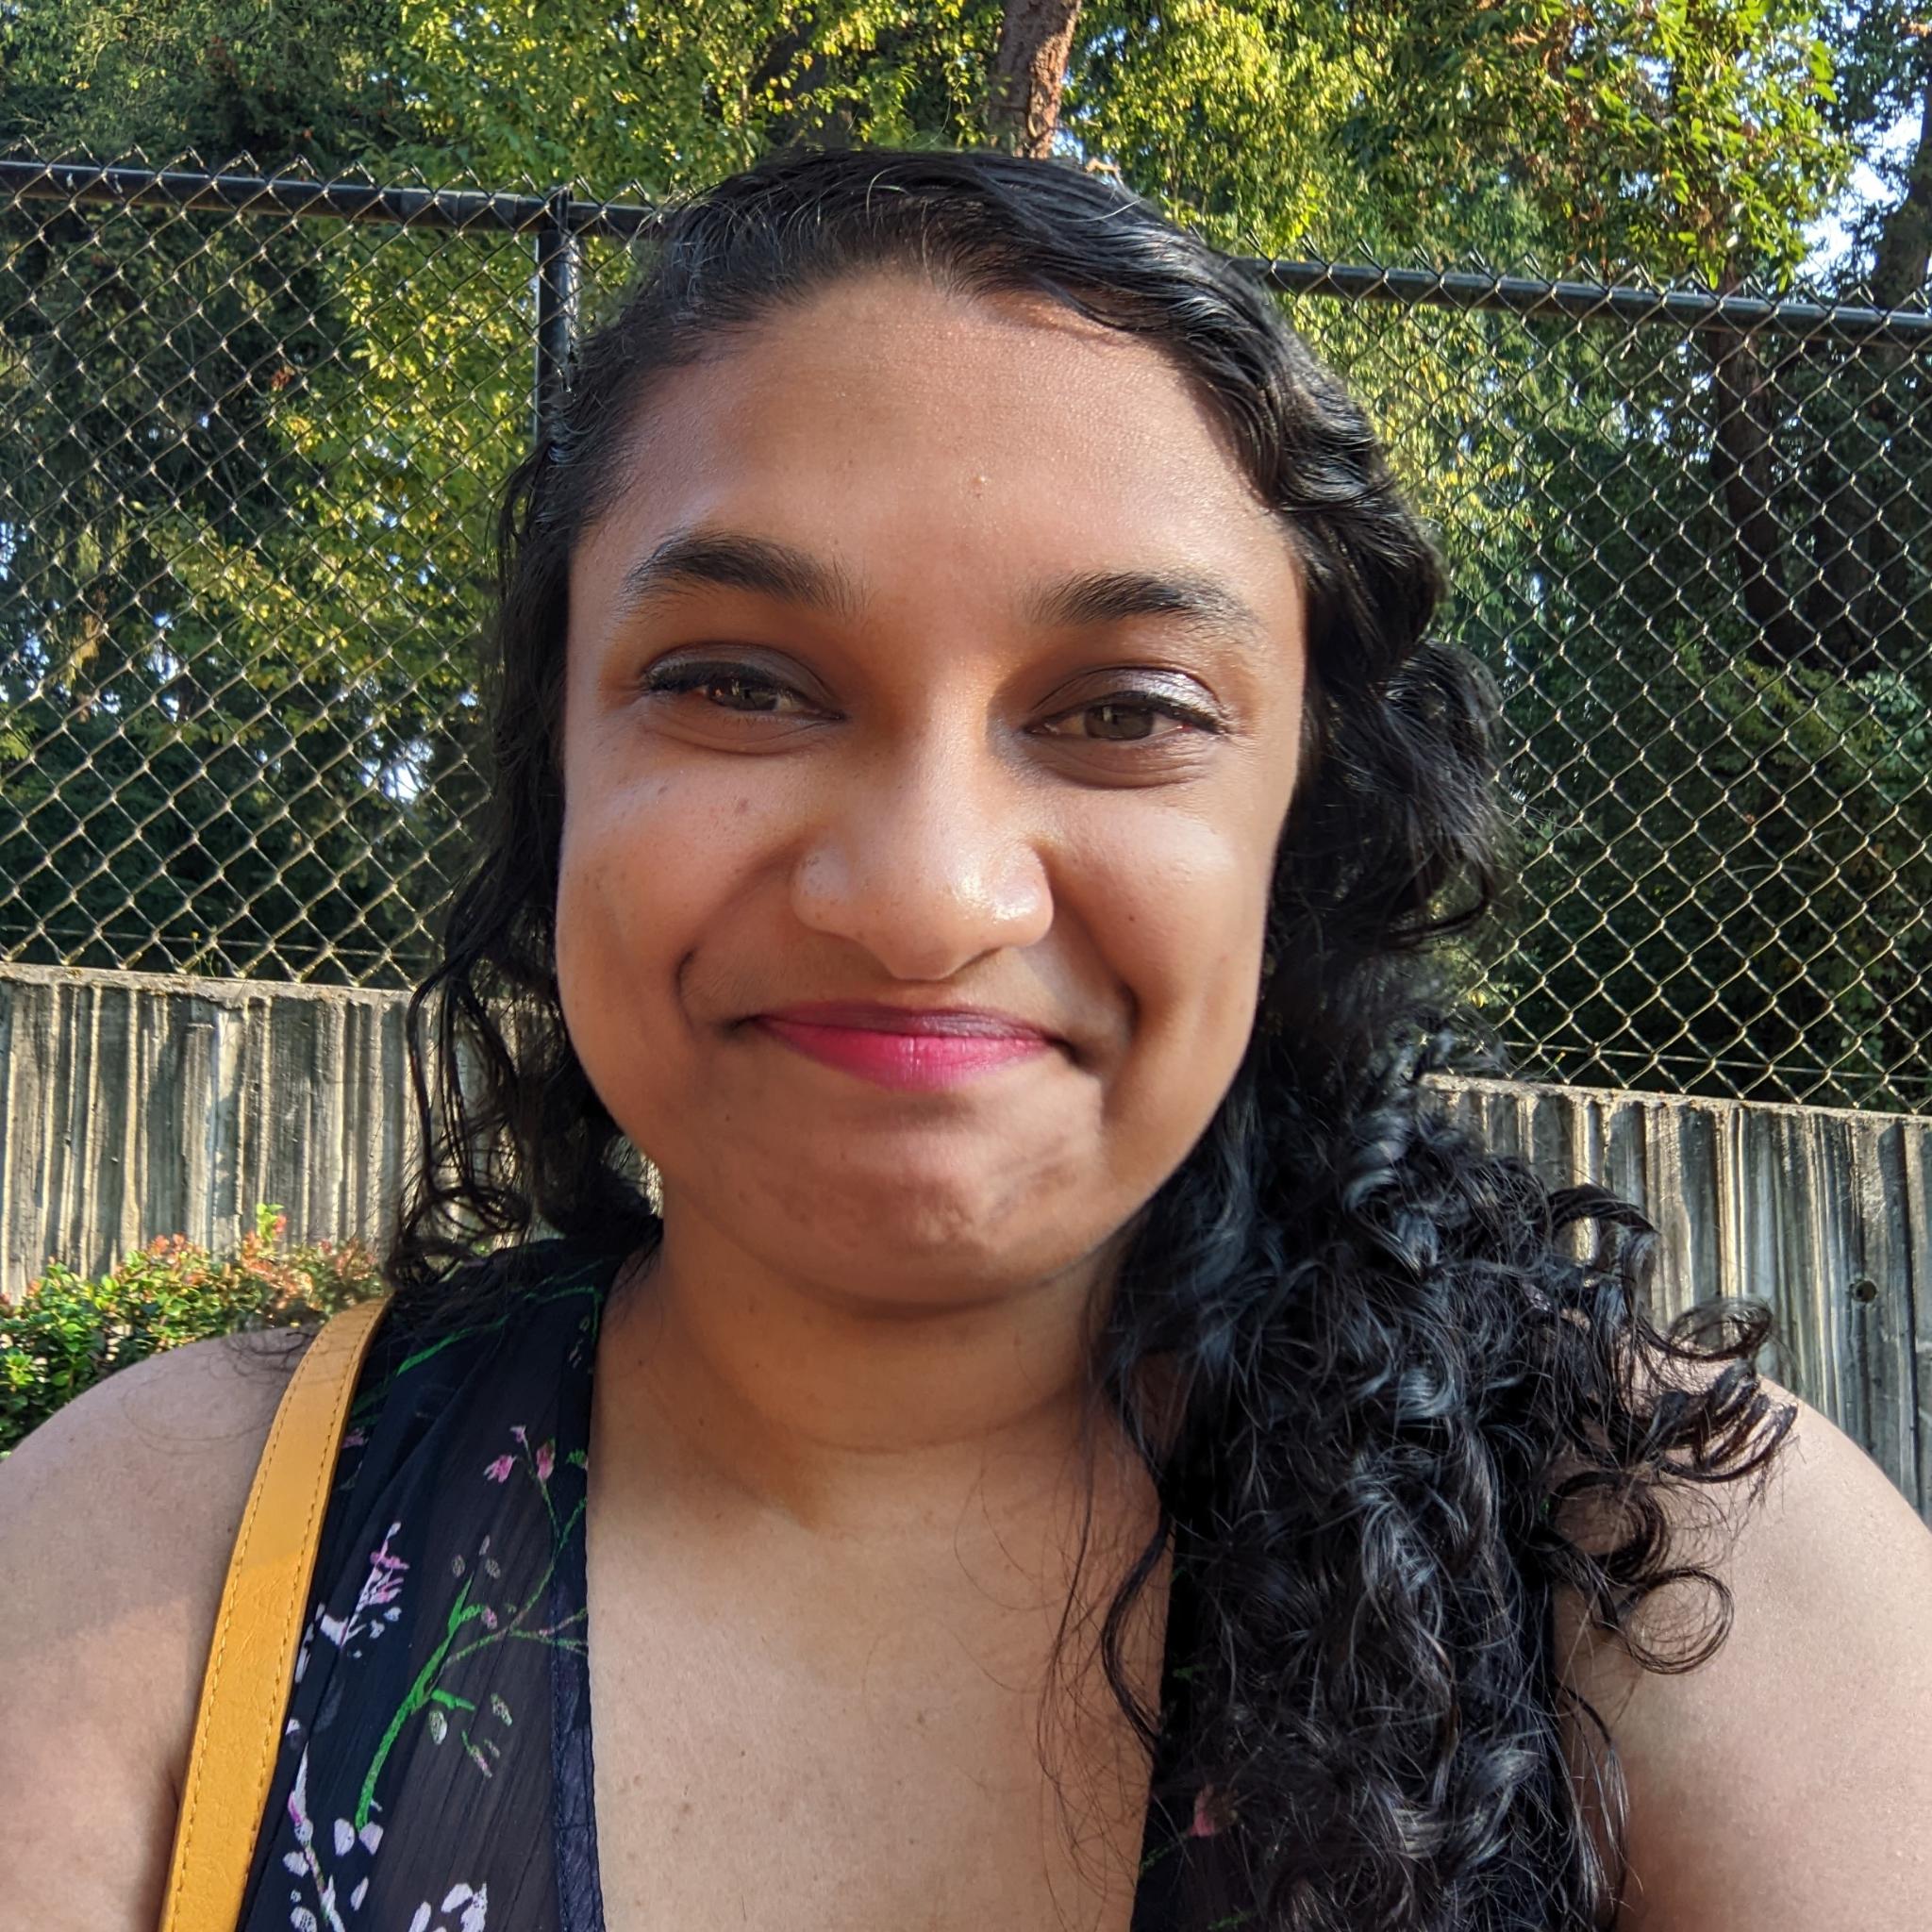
(67, 1333)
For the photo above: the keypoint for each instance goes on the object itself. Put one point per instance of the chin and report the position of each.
(931, 1208)
(917, 1250)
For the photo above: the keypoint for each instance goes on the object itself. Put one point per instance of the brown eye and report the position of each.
(1134, 719)
(728, 687)
(1123, 722)
(741, 693)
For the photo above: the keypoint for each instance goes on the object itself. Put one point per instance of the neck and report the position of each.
(869, 1416)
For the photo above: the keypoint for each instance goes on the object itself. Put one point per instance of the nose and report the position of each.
(927, 856)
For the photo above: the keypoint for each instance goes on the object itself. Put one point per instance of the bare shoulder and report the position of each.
(116, 1519)
(1784, 1785)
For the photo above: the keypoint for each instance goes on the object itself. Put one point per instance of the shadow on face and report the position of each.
(934, 654)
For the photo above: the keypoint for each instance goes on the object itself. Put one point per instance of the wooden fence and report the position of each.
(137, 1104)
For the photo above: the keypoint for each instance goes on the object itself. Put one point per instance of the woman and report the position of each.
(1082, 1442)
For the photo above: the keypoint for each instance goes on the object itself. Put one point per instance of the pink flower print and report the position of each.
(383, 1585)
(1206, 1825)
(543, 1461)
(385, 1580)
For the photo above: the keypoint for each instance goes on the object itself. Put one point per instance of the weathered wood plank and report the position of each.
(137, 1104)
(134, 1105)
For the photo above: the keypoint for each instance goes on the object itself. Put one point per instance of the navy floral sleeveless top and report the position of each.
(434, 1772)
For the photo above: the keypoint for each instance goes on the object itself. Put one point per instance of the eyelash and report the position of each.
(679, 680)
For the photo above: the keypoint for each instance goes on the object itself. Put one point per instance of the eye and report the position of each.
(1130, 718)
(737, 688)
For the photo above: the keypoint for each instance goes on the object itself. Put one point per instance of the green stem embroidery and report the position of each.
(426, 1691)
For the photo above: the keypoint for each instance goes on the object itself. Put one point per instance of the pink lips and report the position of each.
(896, 1047)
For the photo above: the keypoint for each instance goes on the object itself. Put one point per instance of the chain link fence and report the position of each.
(253, 428)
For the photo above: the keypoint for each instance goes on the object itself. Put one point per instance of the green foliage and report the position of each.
(249, 494)
(1672, 138)
(67, 1333)
(210, 701)
(312, 80)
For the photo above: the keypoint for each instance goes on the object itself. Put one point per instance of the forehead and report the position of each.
(891, 424)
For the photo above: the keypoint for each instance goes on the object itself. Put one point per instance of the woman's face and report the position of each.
(993, 668)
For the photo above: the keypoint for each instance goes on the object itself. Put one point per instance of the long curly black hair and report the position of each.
(1390, 1360)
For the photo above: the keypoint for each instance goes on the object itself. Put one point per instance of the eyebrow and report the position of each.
(1112, 596)
(689, 559)
(695, 559)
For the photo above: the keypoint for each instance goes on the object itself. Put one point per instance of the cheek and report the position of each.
(1179, 915)
(644, 868)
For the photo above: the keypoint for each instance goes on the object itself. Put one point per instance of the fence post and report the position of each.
(557, 294)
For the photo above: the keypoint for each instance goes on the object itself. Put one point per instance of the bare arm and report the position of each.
(116, 1519)
(1785, 1786)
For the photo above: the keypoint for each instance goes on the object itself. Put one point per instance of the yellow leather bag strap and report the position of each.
(251, 1661)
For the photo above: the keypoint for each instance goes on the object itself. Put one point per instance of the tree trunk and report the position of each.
(1743, 462)
(1036, 39)
(1905, 242)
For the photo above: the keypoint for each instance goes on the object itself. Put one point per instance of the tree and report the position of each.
(1029, 69)
(195, 777)
(1705, 551)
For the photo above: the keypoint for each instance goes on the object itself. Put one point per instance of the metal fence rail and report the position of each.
(253, 427)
